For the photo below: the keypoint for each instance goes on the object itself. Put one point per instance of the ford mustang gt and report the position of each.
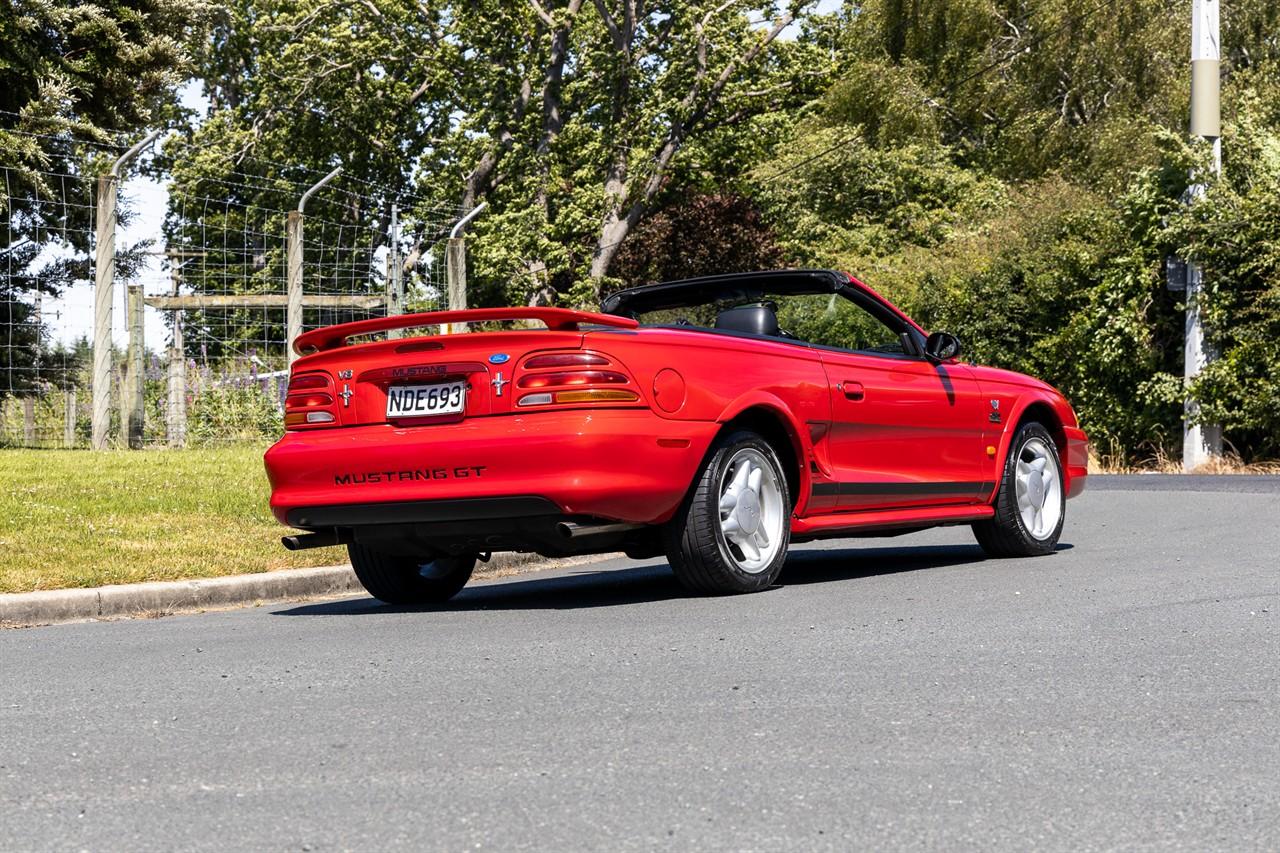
(713, 420)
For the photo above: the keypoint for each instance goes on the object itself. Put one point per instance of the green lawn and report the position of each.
(76, 518)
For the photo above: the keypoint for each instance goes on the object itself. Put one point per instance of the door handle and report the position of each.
(853, 390)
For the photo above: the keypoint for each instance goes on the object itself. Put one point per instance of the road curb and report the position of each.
(47, 607)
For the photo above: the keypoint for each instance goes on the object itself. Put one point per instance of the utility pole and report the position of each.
(1201, 442)
(293, 255)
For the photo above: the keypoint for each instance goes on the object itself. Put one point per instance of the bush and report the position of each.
(227, 413)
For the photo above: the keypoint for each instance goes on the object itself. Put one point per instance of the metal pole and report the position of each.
(455, 268)
(293, 253)
(1201, 442)
(104, 282)
(395, 287)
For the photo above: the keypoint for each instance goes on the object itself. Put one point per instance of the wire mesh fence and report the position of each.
(198, 341)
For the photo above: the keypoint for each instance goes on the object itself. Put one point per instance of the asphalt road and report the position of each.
(1122, 694)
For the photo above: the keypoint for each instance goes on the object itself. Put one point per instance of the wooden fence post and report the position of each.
(69, 419)
(135, 390)
(29, 421)
(104, 281)
(293, 310)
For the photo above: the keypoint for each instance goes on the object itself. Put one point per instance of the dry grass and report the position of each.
(73, 518)
(1160, 462)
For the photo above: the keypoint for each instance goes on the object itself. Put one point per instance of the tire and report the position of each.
(1017, 529)
(408, 580)
(711, 555)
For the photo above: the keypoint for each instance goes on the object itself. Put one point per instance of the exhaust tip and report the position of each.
(319, 539)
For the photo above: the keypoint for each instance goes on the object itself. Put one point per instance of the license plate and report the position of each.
(416, 401)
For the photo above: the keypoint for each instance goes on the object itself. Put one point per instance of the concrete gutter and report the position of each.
(48, 607)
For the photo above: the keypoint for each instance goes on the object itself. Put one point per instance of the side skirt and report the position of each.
(888, 520)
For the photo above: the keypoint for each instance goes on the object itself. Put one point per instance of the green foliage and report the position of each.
(72, 76)
(1011, 171)
(229, 412)
(575, 120)
(1068, 287)
(1015, 175)
(1234, 233)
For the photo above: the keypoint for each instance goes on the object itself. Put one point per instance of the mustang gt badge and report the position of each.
(498, 382)
(994, 417)
(499, 358)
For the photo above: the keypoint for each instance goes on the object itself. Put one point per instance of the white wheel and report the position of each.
(751, 511)
(1039, 489)
(731, 533)
(1030, 505)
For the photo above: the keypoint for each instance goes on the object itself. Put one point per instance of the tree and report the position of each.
(573, 119)
(74, 78)
(730, 237)
(1014, 173)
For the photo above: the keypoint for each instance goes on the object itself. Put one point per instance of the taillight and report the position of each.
(577, 377)
(309, 401)
(568, 386)
(565, 359)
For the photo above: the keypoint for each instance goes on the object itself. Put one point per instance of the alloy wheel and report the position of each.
(751, 510)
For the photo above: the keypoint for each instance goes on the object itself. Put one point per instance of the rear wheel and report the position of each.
(731, 534)
(397, 579)
(1031, 504)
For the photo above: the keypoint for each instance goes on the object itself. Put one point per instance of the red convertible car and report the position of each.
(713, 421)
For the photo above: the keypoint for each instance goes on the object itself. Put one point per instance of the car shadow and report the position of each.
(654, 581)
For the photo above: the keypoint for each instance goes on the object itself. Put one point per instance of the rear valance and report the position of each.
(560, 319)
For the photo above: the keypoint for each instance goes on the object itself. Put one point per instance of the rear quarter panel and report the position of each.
(724, 375)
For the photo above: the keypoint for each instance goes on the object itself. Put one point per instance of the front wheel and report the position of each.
(410, 580)
(1031, 504)
(732, 532)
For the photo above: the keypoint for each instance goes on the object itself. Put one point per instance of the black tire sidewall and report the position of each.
(1009, 487)
(717, 470)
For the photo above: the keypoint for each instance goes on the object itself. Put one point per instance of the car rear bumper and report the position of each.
(1077, 461)
(619, 464)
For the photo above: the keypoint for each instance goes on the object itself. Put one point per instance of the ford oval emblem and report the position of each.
(499, 358)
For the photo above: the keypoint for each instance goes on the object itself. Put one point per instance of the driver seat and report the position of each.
(752, 319)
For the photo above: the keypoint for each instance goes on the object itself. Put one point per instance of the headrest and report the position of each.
(754, 319)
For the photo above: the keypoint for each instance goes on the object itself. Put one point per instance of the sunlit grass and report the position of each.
(76, 518)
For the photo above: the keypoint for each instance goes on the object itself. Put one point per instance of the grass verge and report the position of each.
(72, 518)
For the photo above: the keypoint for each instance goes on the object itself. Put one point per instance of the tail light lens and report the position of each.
(309, 402)
(565, 359)
(558, 383)
(577, 377)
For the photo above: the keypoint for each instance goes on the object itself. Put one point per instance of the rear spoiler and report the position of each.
(559, 319)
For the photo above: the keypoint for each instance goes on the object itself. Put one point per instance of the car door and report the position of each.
(904, 431)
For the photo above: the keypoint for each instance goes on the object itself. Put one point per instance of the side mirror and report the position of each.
(941, 346)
